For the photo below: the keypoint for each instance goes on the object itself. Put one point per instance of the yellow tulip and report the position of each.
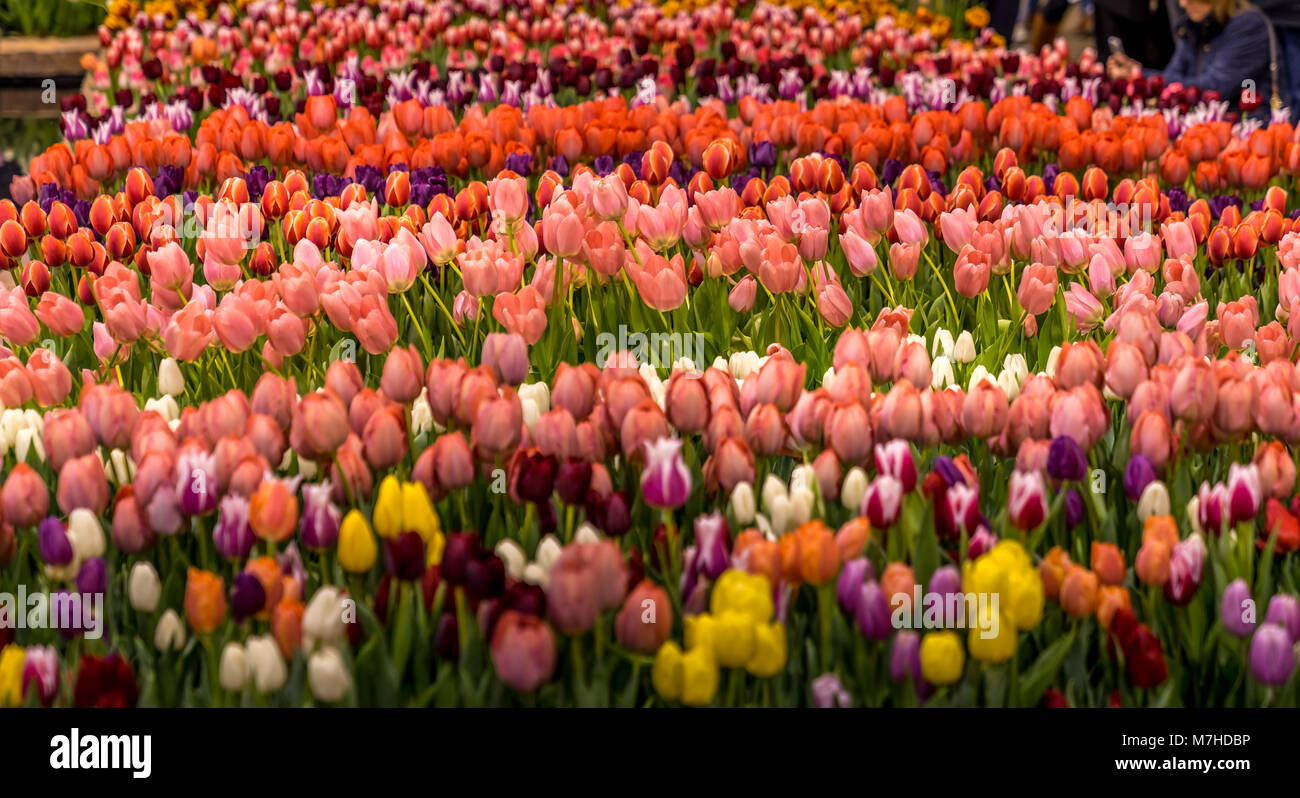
(750, 594)
(769, 650)
(357, 547)
(11, 675)
(434, 549)
(389, 522)
(1023, 601)
(942, 657)
(699, 677)
(418, 514)
(700, 631)
(992, 637)
(666, 673)
(733, 640)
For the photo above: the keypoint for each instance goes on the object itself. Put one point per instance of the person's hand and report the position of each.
(1120, 66)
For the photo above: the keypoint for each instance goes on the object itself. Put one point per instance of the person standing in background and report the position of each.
(1142, 26)
(1285, 16)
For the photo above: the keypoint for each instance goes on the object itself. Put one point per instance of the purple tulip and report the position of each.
(56, 548)
(196, 482)
(873, 612)
(92, 579)
(828, 692)
(1066, 460)
(1137, 476)
(1272, 657)
(1284, 610)
(666, 481)
(905, 659)
(853, 576)
(247, 596)
(711, 550)
(1185, 566)
(232, 534)
(945, 583)
(1232, 609)
(320, 521)
(1074, 510)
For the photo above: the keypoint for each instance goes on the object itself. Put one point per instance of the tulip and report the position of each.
(666, 481)
(328, 676)
(1237, 609)
(144, 588)
(265, 663)
(1027, 500)
(1272, 655)
(205, 600)
(942, 657)
(523, 651)
(356, 547)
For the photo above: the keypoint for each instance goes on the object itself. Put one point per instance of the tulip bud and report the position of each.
(234, 668)
(854, 488)
(266, 664)
(170, 632)
(170, 380)
(1154, 501)
(963, 350)
(143, 587)
(742, 503)
(328, 676)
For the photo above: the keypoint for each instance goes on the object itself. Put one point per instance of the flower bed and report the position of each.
(710, 357)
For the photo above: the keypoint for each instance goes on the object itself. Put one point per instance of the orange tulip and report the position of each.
(205, 600)
(1079, 592)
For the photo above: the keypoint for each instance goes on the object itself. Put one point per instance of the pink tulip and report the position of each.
(60, 315)
(860, 253)
(522, 312)
(1037, 288)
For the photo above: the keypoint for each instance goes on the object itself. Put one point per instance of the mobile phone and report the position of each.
(1116, 46)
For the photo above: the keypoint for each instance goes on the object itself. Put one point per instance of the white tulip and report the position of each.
(322, 620)
(914, 338)
(28, 442)
(1153, 501)
(170, 632)
(421, 413)
(531, 412)
(1017, 365)
(781, 513)
(513, 557)
(548, 551)
(978, 375)
(535, 574)
(803, 476)
(539, 392)
(801, 505)
(143, 587)
(586, 533)
(854, 488)
(85, 534)
(328, 675)
(941, 375)
(772, 488)
(828, 378)
(164, 406)
(742, 503)
(963, 350)
(1193, 514)
(942, 344)
(170, 380)
(119, 467)
(234, 667)
(1008, 383)
(683, 364)
(265, 663)
(721, 364)
(1052, 356)
(307, 468)
(742, 364)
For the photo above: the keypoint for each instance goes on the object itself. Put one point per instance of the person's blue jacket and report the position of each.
(1221, 57)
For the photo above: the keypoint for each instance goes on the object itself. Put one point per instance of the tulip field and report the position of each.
(468, 353)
